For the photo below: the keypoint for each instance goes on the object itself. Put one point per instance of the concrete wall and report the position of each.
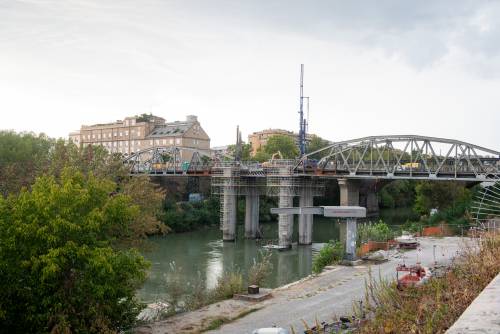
(483, 315)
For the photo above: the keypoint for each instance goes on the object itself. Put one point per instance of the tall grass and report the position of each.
(435, 306)
(261, 269)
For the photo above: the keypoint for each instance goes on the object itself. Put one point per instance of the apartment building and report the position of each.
(258, 139)
(137, 133)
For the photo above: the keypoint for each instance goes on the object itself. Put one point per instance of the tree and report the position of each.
(60, 269)
(315, 144)
(22, 158)
(261, 156)
(438, 194)
(246, 150)
(284, 144)
(149, 199)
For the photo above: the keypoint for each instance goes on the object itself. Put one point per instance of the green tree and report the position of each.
(315, 144)
(246, 150)
(284, 144)
(261, 155)
(439, 195)
(22, 158)
(60, 270)
(397, 194)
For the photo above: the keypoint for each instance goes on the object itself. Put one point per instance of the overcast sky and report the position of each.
(371, 67)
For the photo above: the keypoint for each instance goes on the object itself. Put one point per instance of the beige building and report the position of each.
(259, 139)
(137, 133)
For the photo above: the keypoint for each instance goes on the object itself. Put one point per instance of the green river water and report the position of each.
(203, 255)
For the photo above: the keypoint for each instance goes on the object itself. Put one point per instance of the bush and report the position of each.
(60, 271)
(435, 306)
(259, 271)
(186, 216)
(175, 287)
(331, 253)
(228, 284)
(379, 231)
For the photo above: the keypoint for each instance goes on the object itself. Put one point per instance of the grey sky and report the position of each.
(372, 67)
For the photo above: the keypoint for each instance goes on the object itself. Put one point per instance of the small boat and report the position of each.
(407, 241)
(412, 275)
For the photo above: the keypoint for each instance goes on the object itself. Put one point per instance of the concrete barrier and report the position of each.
(483, 315)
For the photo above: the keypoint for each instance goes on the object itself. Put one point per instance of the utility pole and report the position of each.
(303, 122)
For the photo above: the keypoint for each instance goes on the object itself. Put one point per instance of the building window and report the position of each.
(157, 141)
(115, 134)
(121, 134)
(151, 142)
(177, 141)
(126, 133)
(171, 141)
(164, 141)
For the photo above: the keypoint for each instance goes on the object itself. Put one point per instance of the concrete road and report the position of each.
(334, 291)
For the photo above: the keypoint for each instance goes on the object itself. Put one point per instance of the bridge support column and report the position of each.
(305, 220)
(349, 196)
(252, 214)
(350, 241)
(368, 196)
(285, 221)
(229, 199)
(349, 192)
(372, 204)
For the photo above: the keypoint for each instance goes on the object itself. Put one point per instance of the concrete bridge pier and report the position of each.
(349, 196)
(350, 241)
(252, 214)
(349, 192)
(368, 196)
(305, 220)
(229, 199)
(285, 221)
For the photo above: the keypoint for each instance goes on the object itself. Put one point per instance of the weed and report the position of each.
(259, 271)
(331, 253)
(435, 306)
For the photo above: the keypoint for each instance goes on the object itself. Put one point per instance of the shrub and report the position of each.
(379, 231)
(175, 287)
(259, 271)
(228, 284)
(331, 253)
(435, 306)
(60, 271)
(198, 296)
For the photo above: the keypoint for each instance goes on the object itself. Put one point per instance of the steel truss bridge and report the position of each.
(376, 157)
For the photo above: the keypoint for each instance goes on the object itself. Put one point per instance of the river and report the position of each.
(201, 255)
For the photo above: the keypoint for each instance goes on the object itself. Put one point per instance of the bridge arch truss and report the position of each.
(415, 157)
(168, 160)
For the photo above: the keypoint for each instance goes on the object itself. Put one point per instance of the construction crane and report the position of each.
(303, 122)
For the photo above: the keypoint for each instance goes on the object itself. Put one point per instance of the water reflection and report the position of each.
(203, 254)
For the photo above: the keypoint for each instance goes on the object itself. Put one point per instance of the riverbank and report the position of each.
(316, 297)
